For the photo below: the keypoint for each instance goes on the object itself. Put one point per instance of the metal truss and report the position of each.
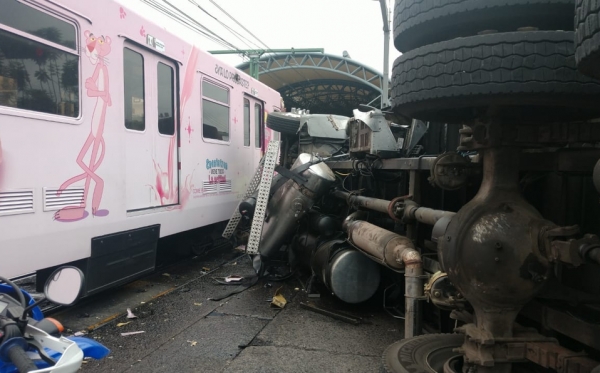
(320, 82)
(329, 96)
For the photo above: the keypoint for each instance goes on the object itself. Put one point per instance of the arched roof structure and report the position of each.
(321, 83)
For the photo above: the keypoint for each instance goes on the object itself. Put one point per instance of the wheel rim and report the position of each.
(438, 359)
(453, 365)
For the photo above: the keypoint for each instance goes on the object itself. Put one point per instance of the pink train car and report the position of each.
(115, 133)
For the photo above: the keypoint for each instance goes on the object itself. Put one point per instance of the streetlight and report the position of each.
(386, 54)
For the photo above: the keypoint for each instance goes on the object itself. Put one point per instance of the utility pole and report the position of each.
(386, 54)
(255, 54)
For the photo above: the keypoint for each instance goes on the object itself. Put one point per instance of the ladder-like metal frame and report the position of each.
(262, 180)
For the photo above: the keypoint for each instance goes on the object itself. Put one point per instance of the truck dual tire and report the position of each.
(529, 76)
(423, 354)
(421, 22)
(286, 123)
(587, 37)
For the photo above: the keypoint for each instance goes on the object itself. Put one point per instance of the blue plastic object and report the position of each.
(35, 311)
(7, 345)
(90, 348)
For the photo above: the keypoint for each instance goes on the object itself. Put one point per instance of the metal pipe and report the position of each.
(386, 54)
(594, 255)
(425, 215)
(395, 252)
(353, 200)
(412, 211)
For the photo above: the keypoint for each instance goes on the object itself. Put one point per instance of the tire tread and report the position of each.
(587, 36)
(420, 22)
(519, 63)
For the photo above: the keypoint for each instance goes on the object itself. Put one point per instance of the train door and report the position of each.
(257, 126)
(151, 130)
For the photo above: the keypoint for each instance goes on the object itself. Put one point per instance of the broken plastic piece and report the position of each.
(131, 333)
(122, 324)
(233, 278)
(278, 299)
(192, 343)
(130, 314)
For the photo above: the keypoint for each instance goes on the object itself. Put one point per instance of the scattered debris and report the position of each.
(278, 299)
(206, 269)
(233, 278)
(80, 334)
(166, 274)
(337, 316)
(268, 285)
(241, 248)
(122, 324)
(132, 333)
(130, 314)
(192, 343)
(197, 304)
(297, 289)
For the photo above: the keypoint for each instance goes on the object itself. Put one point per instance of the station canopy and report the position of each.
(321, 83)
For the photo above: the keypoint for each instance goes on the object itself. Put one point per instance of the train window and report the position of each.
(133, 79)
(39, 75)
(246, 122)
(257, 125)
(166, 119)
(214, 92)
(215, 112)
(32, 21)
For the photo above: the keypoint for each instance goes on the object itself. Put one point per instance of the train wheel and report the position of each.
(287, 123)
(422, 22)
(531, 75)
(426, 353)
(587, 37)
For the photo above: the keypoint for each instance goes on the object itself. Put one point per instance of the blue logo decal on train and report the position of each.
(216, 170)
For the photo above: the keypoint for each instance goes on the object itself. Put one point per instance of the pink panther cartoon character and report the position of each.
(96, 49)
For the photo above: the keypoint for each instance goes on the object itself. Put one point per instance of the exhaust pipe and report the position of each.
(397, 253)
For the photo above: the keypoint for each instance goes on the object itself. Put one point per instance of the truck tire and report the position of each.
(284, 122)
(587, 37)
(421, 22)
(530, 75)
(423, 354)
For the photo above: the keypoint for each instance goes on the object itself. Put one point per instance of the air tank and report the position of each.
(349, 274)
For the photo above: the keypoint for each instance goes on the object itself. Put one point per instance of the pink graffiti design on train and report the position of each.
(96, 49)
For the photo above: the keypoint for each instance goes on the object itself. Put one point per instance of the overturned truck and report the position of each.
(477, 196)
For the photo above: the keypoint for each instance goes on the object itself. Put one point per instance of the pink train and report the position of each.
(115, 133)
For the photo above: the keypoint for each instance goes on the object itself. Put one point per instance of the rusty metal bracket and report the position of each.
(481, 348)
(562, 360)
(567, 250)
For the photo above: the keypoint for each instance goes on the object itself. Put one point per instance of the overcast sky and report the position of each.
(355, 26)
